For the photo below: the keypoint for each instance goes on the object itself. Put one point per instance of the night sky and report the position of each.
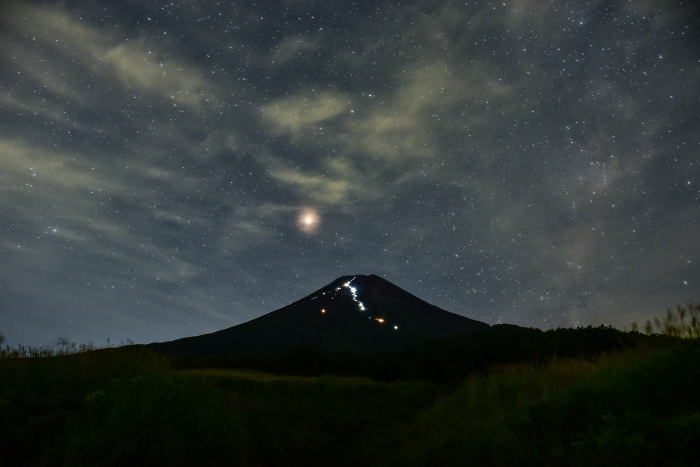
(172, 169)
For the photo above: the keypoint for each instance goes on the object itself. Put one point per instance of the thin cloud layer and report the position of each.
(524, 162)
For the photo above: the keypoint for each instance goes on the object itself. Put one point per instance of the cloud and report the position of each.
(514, 158)
(318, 188)
(138, 66)
(388, 137)
(332, 187)
(304, 112)
(141, 64)
(410, 123)
(251, 227)
(28, 168)
(67, 206)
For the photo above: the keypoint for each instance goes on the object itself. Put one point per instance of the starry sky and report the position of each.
(172, 169)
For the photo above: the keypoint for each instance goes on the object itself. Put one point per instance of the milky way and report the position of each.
(526, 162)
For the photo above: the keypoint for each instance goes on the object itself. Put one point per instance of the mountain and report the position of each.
(353, 313)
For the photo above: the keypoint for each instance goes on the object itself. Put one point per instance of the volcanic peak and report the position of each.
(353, 313)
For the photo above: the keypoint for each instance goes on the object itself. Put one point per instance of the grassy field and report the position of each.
(609, 398)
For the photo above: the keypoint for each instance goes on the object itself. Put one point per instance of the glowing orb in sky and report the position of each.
(308, 220)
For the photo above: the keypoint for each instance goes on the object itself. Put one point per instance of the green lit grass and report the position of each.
(627, 408)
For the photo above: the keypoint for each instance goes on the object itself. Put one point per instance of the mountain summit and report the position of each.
(353, 313)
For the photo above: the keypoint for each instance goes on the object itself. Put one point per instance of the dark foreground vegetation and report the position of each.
(593, 396)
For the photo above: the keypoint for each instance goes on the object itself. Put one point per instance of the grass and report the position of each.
(591, 396)
(131, 408)
(628, 408)
(684, 323)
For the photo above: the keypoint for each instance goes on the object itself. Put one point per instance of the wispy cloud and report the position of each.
(138, 63)
(301, 113)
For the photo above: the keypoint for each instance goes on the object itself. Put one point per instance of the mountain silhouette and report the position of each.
(353, 313)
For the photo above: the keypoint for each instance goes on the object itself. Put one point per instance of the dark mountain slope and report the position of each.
(352, 313)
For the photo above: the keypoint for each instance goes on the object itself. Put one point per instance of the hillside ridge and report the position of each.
(363, 313)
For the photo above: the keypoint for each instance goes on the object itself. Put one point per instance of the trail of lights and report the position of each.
(353, 292)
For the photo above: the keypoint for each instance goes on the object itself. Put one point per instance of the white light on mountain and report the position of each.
(353, 291)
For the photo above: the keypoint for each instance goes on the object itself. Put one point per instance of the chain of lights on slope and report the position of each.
(353, 293)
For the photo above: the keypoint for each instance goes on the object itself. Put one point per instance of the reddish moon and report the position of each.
(308, 220)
